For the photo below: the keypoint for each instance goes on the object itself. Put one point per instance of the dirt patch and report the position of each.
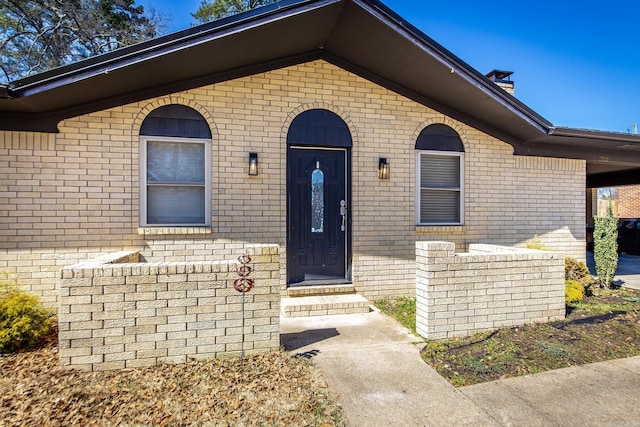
(270, 389)
(604, 326)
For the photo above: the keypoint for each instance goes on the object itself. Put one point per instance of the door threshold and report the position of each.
(323, 289)
(320, 282)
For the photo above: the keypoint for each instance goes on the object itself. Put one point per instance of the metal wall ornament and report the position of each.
(244, 284)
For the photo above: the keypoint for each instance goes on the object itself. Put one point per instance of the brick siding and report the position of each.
(629, 201)
(71, 196)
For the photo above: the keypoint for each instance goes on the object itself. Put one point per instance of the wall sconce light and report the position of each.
(383, 168)
(253, 164)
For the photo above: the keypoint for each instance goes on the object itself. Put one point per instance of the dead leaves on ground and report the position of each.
(268, 389)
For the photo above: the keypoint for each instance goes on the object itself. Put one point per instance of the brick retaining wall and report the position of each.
(490, 287)
(117, 313)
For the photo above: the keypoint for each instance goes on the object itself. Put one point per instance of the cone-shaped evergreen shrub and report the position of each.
(605, 246)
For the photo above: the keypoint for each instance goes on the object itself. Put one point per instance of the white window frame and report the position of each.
(143, 178)
(459, 189)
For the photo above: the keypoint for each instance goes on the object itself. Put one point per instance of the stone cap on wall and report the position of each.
(484, 248)
(125, 263)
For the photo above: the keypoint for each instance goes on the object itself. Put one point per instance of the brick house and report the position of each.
(626, 205)
(629, 201)
(332, 129)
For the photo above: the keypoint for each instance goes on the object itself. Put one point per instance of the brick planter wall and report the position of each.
(115, 313)
(490, 287)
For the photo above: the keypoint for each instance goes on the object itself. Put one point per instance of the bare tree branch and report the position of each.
(37, 35)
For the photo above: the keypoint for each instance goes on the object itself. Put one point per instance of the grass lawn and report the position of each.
(272, 389)
(604, 326)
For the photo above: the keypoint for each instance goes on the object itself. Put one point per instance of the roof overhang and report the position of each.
(361, 36)
(5, 92)
(612, 158)
(595, 146)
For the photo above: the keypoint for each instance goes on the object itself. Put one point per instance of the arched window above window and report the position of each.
(439, 137)
(175, 120)
(175, 168)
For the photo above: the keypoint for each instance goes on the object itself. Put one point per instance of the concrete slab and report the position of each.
(375, 366)
(628, 272)
(373, 363)
(630, 364)
(593, 395)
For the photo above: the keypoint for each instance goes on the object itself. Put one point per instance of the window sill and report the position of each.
(175, 230)
(440, 229)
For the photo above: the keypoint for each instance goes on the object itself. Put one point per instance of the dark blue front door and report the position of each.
(317, 215)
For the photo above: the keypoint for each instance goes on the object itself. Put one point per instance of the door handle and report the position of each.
(343, 213)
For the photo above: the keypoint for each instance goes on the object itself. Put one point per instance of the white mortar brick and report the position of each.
(506, 302)
(94, 155)
(145, 330)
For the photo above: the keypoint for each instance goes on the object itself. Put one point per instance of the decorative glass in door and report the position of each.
(317, 200)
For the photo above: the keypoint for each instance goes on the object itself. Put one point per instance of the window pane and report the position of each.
(439, 171)
(439, 206)
(175, 205)
(174, 162)
(317, 201)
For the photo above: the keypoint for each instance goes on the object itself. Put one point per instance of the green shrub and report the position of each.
(605, 246)
(24, 322)
(573, 291)
(578, 271)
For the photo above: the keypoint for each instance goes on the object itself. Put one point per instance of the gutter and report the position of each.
(596, 134)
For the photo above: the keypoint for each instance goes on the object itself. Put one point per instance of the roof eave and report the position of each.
(6, 92)
(144, 51)
(525, 123)
(596, 134)
(594, 146)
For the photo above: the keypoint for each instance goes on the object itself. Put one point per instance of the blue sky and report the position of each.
(575, 63)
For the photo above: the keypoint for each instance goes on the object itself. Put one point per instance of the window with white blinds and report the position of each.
(176, 181)
(439, 176)
(439, 189)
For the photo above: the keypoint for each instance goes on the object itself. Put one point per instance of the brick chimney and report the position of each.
(502, 78)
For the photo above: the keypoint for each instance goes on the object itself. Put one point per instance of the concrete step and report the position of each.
(308, 291)
(322, 305)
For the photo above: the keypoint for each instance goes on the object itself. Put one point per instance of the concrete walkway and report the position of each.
(374, 365)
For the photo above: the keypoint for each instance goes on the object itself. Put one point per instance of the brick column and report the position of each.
(432, 261)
